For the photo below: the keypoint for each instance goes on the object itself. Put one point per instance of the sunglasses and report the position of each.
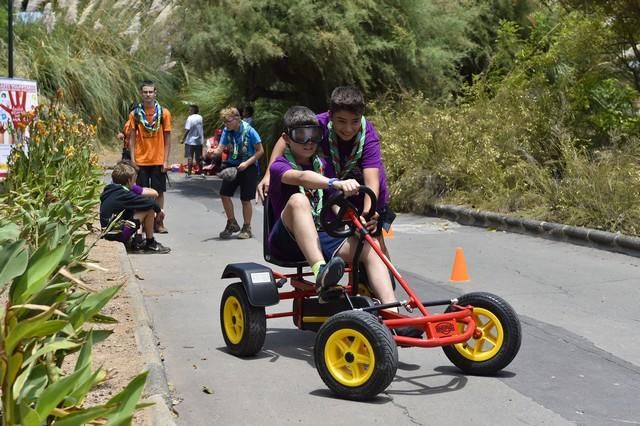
(304, 134)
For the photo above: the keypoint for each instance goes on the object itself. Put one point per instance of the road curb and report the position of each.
(604, 240)
(156, 389)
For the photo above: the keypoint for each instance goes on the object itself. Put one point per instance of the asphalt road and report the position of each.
(579, 362)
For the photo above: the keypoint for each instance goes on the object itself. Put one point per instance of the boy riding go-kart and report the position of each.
(356, 344)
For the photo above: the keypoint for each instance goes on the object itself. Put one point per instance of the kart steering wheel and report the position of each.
(340, 227)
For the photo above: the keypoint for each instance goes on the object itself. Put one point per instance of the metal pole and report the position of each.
(10, 62)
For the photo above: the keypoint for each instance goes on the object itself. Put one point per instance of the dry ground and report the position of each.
(119, 354)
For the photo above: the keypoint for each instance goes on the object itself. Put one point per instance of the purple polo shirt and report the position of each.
(371, 155)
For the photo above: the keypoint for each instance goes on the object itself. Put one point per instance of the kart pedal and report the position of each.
(331, 293)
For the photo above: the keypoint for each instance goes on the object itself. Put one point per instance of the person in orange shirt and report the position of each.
(150, 144)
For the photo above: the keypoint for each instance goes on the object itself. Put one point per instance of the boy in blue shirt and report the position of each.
(245, 149)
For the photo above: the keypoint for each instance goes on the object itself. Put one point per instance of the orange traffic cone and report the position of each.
(459, 272)
(387, 234)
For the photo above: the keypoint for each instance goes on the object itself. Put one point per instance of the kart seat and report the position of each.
(269, 220)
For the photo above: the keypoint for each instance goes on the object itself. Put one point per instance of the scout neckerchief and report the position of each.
(141, 117)
(243, 141)
(314, 195)
(354, 156)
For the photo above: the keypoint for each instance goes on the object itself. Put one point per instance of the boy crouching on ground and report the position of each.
(119, 203)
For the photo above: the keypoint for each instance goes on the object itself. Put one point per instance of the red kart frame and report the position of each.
(355, 353)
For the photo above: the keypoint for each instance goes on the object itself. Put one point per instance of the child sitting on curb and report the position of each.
(119, 203)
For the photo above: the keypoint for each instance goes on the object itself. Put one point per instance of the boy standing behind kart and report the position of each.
(296, 197)
(193, 140)
(244, 151)
(119, 202)
(351, 145)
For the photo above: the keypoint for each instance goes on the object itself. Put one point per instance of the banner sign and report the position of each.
(17, 98)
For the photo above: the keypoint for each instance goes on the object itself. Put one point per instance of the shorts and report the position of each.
(248, 182)
(284, 247)
(152, 177)
(191, 151)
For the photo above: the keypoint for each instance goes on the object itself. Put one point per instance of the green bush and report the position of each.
(489, 155)
(54, 178)
(44, 321)
(49, 204)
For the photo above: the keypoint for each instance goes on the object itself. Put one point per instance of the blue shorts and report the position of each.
(284, 247)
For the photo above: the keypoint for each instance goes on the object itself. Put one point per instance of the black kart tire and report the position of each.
(355, 355)
(244, 327)
(499, 340)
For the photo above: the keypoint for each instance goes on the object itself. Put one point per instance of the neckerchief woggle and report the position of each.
(141, 117)
(243, 142)
(354, 156)
(314, 195)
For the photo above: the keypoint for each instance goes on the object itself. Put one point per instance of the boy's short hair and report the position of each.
(147, 83)
(347, 98)
(194, 108)
(130, 163)
(229, 112)
(298, 115)
(122, 173)
(247, 111)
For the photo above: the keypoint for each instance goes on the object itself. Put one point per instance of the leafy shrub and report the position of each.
(489, 155)
(49, 203)
(54, 178)
(43, 322)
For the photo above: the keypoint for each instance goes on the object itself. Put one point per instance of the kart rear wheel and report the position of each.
(355, 355)
(244, 327)
(496, 340)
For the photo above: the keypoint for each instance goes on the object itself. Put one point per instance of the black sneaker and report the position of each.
(152, 246)
(328, 277)
(135, 244)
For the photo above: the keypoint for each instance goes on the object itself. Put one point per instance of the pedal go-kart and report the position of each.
(355, 347)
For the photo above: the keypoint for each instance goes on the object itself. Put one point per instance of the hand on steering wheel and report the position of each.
(341, 226)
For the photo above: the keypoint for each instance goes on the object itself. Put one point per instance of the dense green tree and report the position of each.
(298, 50)
(622, 17)
(484, 31)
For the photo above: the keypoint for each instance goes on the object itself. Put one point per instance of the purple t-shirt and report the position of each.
(371, 155)
(279, 192)
(136, 189)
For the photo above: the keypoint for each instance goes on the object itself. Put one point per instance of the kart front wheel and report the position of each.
(496, 340)
(355, 355)
(244, 327)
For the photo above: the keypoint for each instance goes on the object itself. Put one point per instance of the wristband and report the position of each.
(331, 182)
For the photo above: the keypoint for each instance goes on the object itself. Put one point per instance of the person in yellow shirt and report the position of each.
(150, 143)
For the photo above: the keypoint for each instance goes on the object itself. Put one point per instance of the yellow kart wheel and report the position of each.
(355, 355)
(495, 341)
(244, 327)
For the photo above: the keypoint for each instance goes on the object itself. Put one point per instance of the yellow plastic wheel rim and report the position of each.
(488, 343)
(233, 319)
(349, 357)
(363, 290)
